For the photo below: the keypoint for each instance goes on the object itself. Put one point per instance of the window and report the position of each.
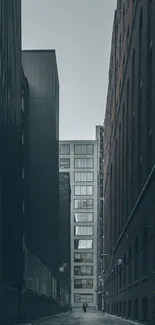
(83, 204)
(64, 163)
(129, 266)
(84, 163)
(83, 244)
(136, 264)
(136, 309)
(145, 250)
(81, 298)
(83, 270)
(83, 217)
(145, 309)
(83, 230)
(23, 139)
(23, 172)
(83, 176)
(83, 257)
(22, 103)
(129, 309)
(83, 190)
(124, 270)
(64, 149)
(83, 284)
(83, 149)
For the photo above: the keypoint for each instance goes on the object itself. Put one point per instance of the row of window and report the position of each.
(83, 257)
(83, 284)
(79, 163)
(82, 297)
(83, 190)
(83, 270)
(134, 265)
(81, 244)
(83, 204)
(79, 149)
(83, 230)
(132, 309)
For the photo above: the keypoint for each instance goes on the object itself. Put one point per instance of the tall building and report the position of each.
(129, 165)
(11, 219)
(42, 219)
(100, 236)
(79, 159)
(64, 239)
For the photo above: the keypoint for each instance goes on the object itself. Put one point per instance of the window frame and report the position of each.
(83, 187)
(86, 207)
(61, 146)
(61, 159)
(84, 235)
(85, 221)
(84, 159)
(87, 178)
(86, 145)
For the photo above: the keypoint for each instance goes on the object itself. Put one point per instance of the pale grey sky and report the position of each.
(80, 31)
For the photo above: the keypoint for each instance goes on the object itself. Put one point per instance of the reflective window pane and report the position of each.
(83, 176)
(83, 283)
(83, 270)
(83, 230)
(83, 163)
(64, 149)
(64, 163)
(83, 257)
(83, 244)
(81, 298)
(83, 149)
(83, 204)
(83, 217)
(83, 190)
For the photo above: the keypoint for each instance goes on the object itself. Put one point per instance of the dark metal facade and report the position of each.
(10, 140)
(11, 217)
(130, 165)
(40, 69)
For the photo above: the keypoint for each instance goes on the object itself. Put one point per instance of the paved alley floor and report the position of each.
(80, 318)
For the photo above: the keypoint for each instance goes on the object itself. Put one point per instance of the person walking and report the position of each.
(85, 305)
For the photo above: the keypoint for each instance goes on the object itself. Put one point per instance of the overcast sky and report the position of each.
(80, 31)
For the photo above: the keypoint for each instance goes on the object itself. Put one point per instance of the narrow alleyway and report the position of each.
(79, 318)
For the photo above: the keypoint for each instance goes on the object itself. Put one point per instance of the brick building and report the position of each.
(129, 164)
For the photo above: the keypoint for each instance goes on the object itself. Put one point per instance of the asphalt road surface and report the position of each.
(80, 318)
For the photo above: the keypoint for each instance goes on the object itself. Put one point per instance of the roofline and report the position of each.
(39, 50)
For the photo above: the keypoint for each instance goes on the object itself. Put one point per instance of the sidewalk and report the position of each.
(113, 319)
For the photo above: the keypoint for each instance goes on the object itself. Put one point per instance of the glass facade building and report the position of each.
(79, 158)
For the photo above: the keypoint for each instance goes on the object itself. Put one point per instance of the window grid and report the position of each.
(86, 190)
(83, 244)
(83, 163)
(83, 217)
(83, 149)
(81, 298)
(83, 231)
(83, 177)
(64, 149)
(83, 284)
(64, 163)
(83, 257)
(83, 270)
(83, 204)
